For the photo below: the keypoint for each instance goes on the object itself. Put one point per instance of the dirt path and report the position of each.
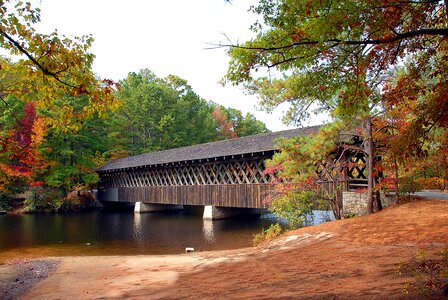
(354, 258)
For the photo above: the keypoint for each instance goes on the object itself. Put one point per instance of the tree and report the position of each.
(338, 56)
(41, 76)
(307, 173)
(165, 113)
(159, 114)
(49, 67)
(243, 125)
(74, 155)
(19, 148)
(224, 127)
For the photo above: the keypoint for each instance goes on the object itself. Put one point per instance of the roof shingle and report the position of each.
(243, 145)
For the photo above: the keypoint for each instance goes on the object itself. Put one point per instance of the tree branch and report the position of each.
(398, 37)
(9, 108)
(33, 60)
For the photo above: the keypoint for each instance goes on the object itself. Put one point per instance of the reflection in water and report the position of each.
(121, 233)
(207, 231)
(138, 229)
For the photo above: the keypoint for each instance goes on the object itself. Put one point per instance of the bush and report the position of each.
(408, 185)
(267, 234)
(43, 198)
(433, 183)
(294, 207)
(4, 203)
(48, 199)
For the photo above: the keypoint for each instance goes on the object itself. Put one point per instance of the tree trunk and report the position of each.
(368, 149)
(397, 174)
(379, 205)
(337, 212)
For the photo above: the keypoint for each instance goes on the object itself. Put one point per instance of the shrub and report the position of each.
(294, 207)
(43, 198)
(408, 185)
(267, 234)
(433, 183)
(69, 203)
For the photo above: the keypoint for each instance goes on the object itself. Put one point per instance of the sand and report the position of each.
(353, 258)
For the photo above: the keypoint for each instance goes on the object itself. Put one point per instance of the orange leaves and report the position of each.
(37, 183)
(19, 154)
(224, 127)
(51, 66)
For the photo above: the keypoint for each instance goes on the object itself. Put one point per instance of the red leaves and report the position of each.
(24, 126)
(37, 183)
(224, 127)
(20, 148)
(308, 9)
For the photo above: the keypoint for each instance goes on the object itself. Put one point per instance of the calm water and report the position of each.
(121, 233)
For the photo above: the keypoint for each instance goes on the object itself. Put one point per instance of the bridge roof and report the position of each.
(252, 144)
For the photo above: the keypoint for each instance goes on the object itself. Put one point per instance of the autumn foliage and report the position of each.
(20, 156)
(225, 127)
(380, 65)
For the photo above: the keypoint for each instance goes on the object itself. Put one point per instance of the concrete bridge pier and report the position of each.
(141, 207)
(218, 212)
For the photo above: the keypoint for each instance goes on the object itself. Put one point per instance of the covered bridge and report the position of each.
(227, 173)
(224, 174)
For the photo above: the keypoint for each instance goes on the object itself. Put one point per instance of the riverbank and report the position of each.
(366, 257)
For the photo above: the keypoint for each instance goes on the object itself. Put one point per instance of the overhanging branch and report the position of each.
(397, 37)
(44, 70)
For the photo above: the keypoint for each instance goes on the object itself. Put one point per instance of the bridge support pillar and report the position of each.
(141, 207)
(217, 212)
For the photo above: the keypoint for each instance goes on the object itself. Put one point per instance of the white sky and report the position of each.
(164, 36)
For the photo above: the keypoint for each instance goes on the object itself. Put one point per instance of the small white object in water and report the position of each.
(189, 249)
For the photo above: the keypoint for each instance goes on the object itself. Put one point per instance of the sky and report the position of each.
(166, 37)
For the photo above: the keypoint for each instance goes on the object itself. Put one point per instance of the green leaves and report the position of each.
(49, 67)
(166, 113)
(295, 207)
(335, 55)
(296, 168)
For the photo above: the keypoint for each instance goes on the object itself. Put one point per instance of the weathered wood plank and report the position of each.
(227, 195)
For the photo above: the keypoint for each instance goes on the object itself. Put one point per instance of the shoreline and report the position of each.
(355, 257)
(25, 277)
(17, 277)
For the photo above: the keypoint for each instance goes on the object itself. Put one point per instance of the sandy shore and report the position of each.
(353, 258)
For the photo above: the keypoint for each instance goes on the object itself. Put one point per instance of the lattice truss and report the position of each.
(351, 168)
(231, 172)
(357, 167)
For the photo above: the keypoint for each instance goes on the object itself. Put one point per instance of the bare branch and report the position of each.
(336, 42)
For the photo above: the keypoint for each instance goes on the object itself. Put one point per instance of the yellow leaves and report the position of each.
(39, 130)
(55, 66)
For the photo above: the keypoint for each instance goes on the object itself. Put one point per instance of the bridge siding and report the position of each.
(225, 195)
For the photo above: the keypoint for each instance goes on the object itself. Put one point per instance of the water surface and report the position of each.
(122, 233)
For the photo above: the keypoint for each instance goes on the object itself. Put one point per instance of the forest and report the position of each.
(378, 69)
(48, 154)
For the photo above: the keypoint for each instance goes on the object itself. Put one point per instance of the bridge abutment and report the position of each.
(217, 212)
(141, 207)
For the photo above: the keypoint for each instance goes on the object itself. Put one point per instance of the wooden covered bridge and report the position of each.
(217, 175)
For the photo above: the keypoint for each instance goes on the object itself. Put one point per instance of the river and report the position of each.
(122, 233)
